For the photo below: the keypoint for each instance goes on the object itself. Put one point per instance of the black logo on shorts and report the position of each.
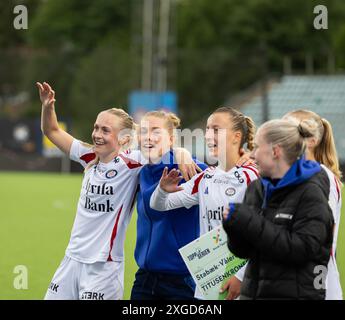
(111, 174)
(92, 296)
(53, 287)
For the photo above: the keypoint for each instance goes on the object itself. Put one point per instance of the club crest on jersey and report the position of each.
(111, 174)
(230, 191)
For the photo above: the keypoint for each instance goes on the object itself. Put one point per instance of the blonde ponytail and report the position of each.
(325, 151)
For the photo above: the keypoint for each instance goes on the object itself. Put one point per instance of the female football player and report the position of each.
(321, 148)
(93, 265)
(227, 131)
(284, 225)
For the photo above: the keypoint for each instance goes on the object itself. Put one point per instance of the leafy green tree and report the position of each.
(64, 35)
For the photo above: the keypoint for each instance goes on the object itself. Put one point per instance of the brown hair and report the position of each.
(325, 151)
(241, 123)
(289, 135)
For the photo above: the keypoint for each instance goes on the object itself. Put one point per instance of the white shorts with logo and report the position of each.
(74, 280)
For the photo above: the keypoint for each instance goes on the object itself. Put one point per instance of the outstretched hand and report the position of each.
(169, 181)
(47, 94)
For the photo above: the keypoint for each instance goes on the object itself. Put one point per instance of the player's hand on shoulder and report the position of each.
(245, 159)
(186, 164)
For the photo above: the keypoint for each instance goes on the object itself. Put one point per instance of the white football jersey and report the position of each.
(213, 190)
(333, 287)
(105, 205)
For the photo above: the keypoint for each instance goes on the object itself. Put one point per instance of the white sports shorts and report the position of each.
(74, 280)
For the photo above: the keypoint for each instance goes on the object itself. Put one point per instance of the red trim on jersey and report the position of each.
(196, 183)
(247, 177)
(252, 168)
(131, 164)
(113, 235)
(134, 198)
(337, 186)
(88, 157)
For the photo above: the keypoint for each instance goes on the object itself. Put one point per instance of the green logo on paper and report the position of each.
(217, 237)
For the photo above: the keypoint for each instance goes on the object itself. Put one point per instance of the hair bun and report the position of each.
(175, 120)
(304, 130)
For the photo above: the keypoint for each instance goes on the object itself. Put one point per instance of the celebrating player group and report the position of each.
(276, 191)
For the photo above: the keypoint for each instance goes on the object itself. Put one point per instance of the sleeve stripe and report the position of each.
(337, 186)
(113, 235)
(252, 169)
(88, 157)
(196, 183)
(131, 164)
(247, 177)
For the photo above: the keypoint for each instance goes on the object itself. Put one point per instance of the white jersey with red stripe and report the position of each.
(105, 205)
(333, 286)
(213, 190)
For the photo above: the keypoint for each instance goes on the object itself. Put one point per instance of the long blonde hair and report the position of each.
(325, 151)
(127, 129)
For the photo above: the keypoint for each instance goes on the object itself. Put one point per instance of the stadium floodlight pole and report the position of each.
(264, 100)
(146, 80)
(163, 43)
(264, 82)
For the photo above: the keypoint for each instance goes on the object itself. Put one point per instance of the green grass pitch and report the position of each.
(37, 213)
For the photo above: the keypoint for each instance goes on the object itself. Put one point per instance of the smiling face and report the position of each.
(220, 137)
(154, 138)
(105, 136)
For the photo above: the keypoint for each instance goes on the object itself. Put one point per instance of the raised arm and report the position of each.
(49, 123)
